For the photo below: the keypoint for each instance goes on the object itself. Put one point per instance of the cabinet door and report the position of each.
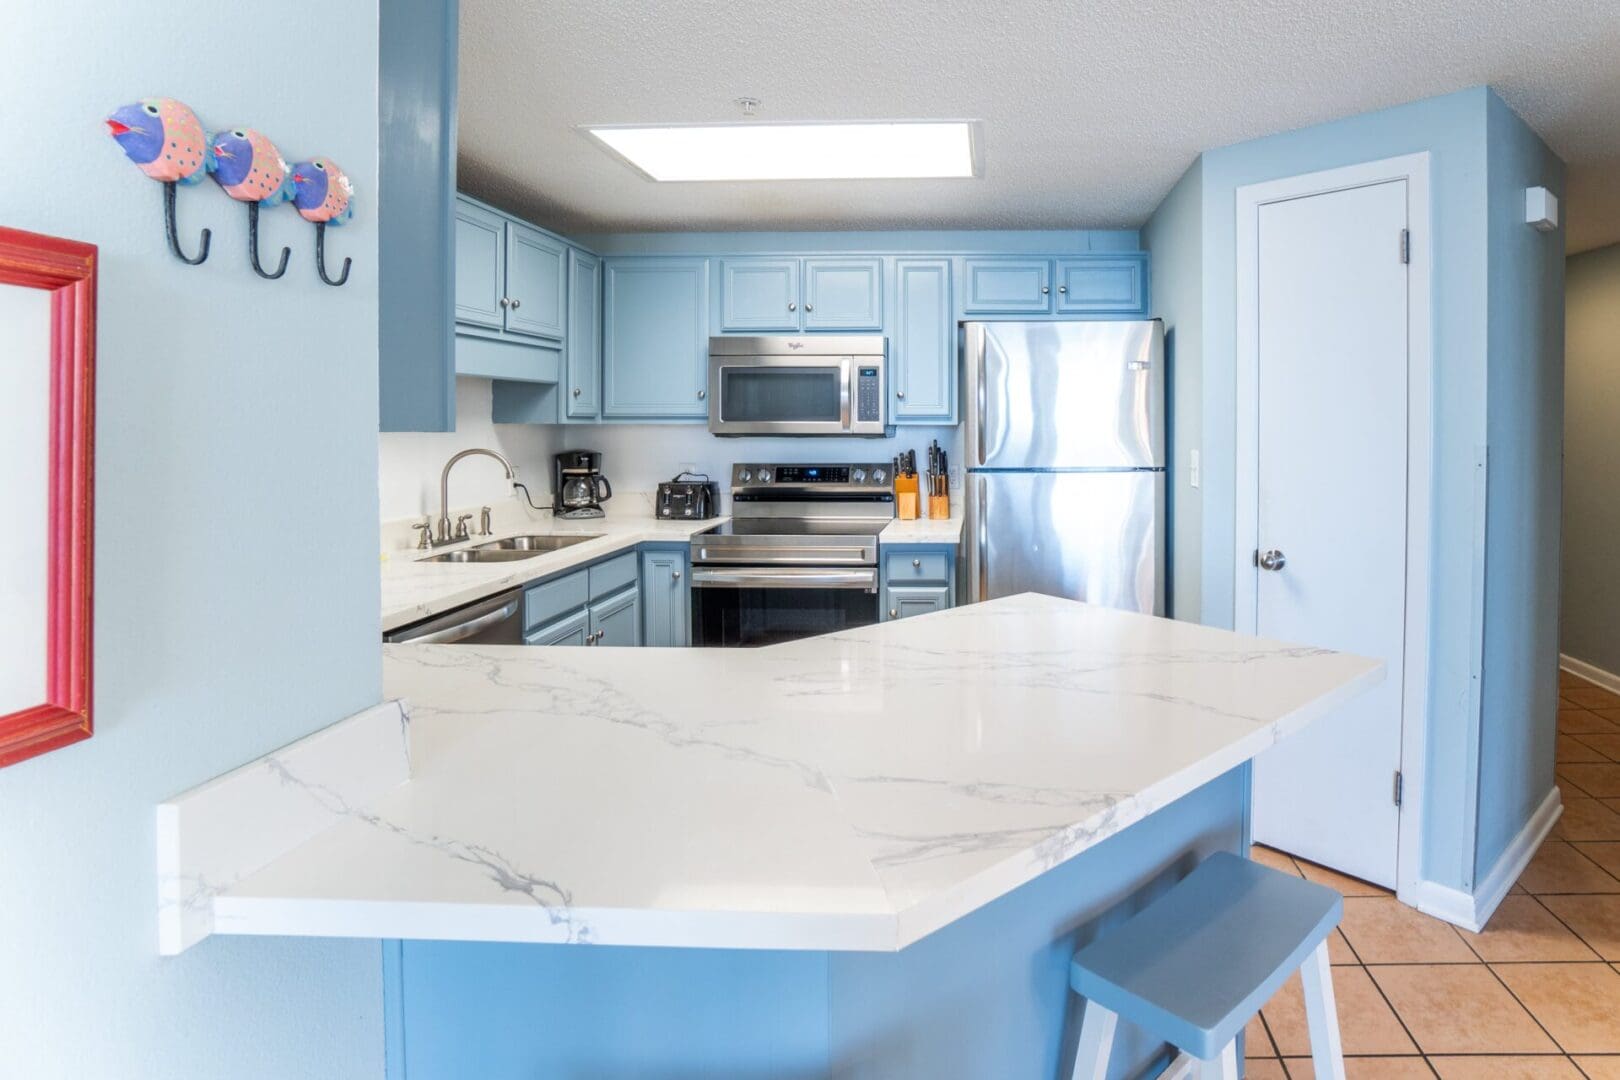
(843, 294)
(759, 294)
(904, 601)
(655, 338)
(1102, 284)
(583, 378)
(923, 367)
(617, 620)
(666, 598)
(480, 266)
(1006, 286)
(572, 629)
(536, 282)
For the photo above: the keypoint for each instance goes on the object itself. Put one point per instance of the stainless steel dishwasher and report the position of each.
(495, 620)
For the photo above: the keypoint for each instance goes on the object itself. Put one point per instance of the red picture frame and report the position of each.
(67, 270)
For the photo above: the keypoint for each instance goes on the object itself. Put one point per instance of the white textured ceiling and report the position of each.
(1091, 110)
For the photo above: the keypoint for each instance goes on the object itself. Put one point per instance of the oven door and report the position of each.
(750, 606)
(779, 395)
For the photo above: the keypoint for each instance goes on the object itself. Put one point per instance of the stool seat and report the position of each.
(1193, 966)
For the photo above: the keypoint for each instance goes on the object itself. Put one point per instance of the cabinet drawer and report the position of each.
(919, 567)
(615, 573)
(905, 601)
(545, 602)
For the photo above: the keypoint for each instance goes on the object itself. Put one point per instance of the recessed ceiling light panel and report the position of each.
(883, 150)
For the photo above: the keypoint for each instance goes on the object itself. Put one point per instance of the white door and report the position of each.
(1331, 471)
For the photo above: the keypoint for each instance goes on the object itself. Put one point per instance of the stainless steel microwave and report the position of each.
(805, 384)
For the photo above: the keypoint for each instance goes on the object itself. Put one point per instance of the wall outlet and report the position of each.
(1195, 477)
(686, 467)
(954, 473)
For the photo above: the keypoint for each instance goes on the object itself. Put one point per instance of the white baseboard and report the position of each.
(1590, 672)
(1473, 911)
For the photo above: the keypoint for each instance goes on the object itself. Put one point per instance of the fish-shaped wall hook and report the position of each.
(166, 140)
(251, 170)
(324, 196)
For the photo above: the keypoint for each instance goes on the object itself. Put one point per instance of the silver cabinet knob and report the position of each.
(702, 394)
(808, 307)
(793, 305)
(516, 303)
(916, 564)
(1045, 289)
(893, 614)
(1063, 288)
(1272, 560)
(900, 394)
(506, 301)
(675, 575)
(576, 391)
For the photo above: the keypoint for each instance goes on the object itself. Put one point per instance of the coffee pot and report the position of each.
(578, 485)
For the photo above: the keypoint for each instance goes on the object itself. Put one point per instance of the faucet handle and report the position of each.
(484, 523)
(461, 526)
(424, 531)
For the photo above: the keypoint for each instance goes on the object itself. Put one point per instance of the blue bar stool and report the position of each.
(1196, 964)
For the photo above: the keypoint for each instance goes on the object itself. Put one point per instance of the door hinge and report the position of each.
(1397, 792)
(1406, 245)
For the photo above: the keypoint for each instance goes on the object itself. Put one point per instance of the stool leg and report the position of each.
(1096, 1041)
(1322, 1015)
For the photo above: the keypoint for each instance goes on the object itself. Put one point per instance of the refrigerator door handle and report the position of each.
(977, 539)
(979, 391)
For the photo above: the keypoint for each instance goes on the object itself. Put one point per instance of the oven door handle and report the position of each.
(785, 578)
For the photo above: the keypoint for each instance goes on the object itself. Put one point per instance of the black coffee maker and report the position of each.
(578, 487)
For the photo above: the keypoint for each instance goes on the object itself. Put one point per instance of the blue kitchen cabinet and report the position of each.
(666, 596)
(480, 266)
(1003, 286)
(923, 349)
(536, 282)
(571, 629)
(655, 338)
(759, 295)
(843, 295)
(1102, 285)
(917, 579)
(583, 379)
(616, 620)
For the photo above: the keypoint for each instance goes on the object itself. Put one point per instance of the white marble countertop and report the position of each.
(927, 530)
(849, 792)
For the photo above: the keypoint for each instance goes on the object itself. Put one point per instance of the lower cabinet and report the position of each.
(572, 629)
(596, 605)
(917, 579)
(901, 601)
(617, 620)
(666, 597)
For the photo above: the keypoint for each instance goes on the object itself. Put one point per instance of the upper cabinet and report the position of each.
(922, 351)
(1000, 286)
(536, 269)
(1096, 284)
(583, 379)
(786, 295)
(1084, 285)
(480, 266)
(416, 228)
(655, 338)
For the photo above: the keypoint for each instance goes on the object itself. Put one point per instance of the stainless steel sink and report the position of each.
(510, 549)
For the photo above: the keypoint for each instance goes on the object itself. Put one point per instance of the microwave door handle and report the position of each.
(843, 395)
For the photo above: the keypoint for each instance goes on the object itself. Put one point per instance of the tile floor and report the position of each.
(1534, 996)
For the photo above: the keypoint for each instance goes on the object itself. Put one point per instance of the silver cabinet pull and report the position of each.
(516, 303)
(1271, 560)
(793, 305)
(702, 394)
(675, 575)
(893, 614)
(916, 563)
(576, 391)
(1045, 289)
(808, 306)
(506, 301)
(1063, 288)
(900, 394)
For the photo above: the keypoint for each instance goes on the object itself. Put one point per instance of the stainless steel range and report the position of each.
(798, 558)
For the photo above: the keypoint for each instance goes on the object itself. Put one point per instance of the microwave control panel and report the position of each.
(868, 395)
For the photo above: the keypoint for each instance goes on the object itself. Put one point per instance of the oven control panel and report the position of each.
(822, 477)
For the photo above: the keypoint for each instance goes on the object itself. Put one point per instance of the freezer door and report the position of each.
(1064, 394)
(1092, 536)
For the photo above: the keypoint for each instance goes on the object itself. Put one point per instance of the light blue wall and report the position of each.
(1452, 130)
(1525, 428)
(1591, 593)
(1174, 236)
(236, 601)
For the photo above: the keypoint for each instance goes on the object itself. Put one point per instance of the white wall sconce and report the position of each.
(1540, 209)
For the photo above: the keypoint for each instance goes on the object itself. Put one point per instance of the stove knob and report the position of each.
(858, 475)
(745, 475)
(764, 476)
(879, 475)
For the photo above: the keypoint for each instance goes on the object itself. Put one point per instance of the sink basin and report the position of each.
(510, 549)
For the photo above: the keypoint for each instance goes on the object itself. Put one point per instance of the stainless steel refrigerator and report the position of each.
(1065, 461)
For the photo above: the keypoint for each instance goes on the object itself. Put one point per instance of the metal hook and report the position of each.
(253, 246)
(320, 257)
(169, 226)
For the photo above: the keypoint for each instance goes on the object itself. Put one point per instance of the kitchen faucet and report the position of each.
(445, 536)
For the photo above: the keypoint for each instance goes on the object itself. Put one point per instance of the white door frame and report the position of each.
(1414, 169)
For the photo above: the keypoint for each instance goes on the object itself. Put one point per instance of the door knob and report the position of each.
(1271, 560)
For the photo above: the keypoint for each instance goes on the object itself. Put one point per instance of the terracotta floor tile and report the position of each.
(1366, 1024)
(1383, 930)
(1573, 720)
(1347, 885)
(1560, 867)
(1587, 819)
(1256, 1043)
(1522, 930)
(1599, 779)
(1339, 951)
(1487, 1067)
(1568, 790)
(1595, 918)
(1600, 1068)
(1366, 1068)
(1578, 1003)
(1611, 715)
(1591, 697)
(1572, 749)
(1606, 743)
(1569, 678)
(1605, 855)
(1461, 1009)
(1264, 1069)
(1273, 858)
